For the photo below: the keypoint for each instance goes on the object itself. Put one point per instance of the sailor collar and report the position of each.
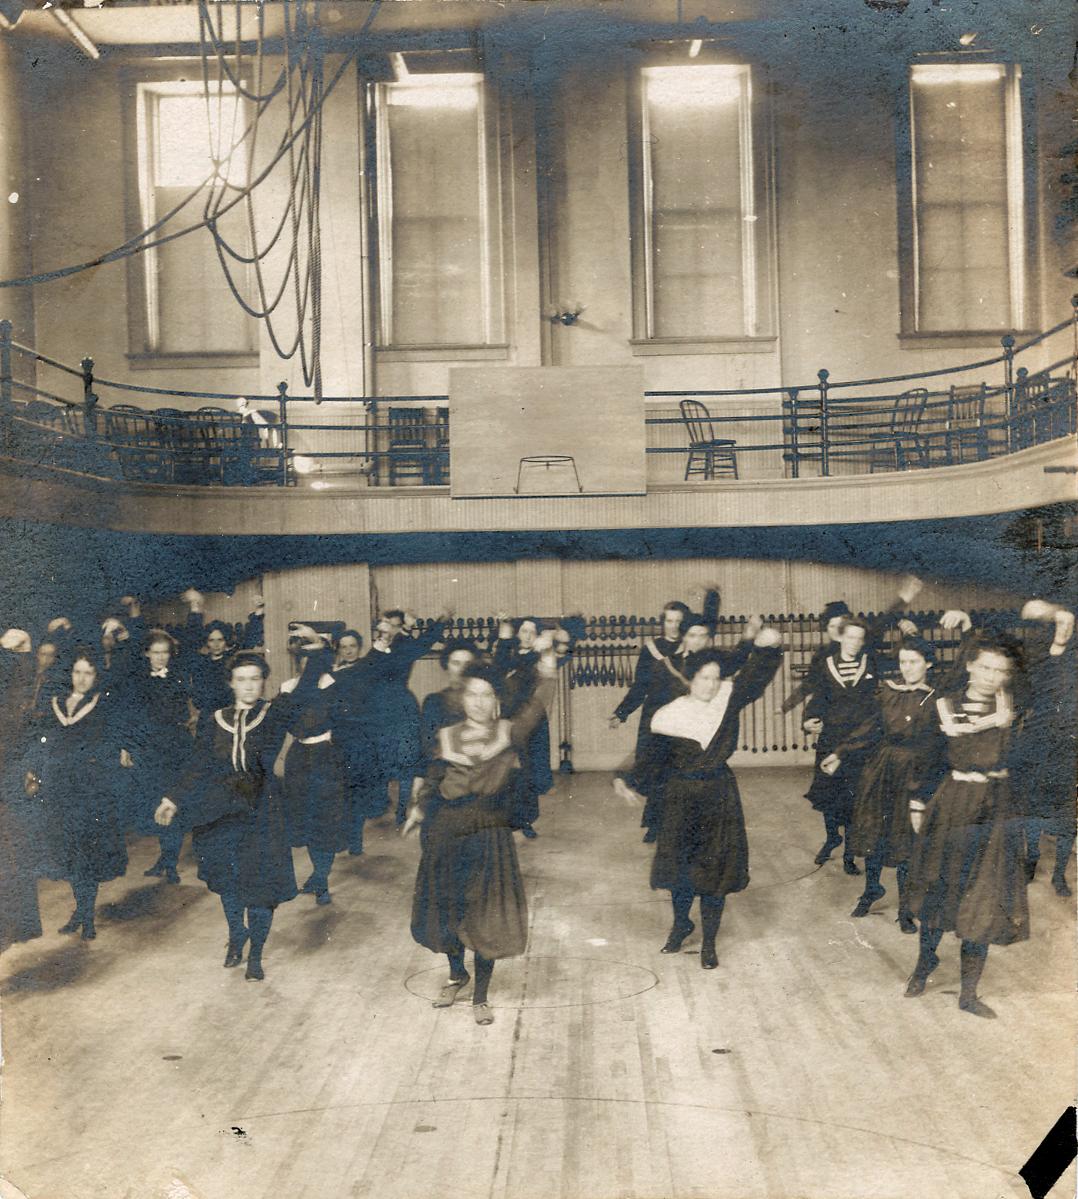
(83, 708)
(692, 720)
(859, 674)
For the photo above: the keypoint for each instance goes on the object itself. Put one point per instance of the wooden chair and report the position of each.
(964, 430)
(710, 456)
(901, 446)
(132, 434)
(410, 452)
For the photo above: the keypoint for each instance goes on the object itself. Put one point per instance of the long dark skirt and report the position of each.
(153, 776)
(966, 871)
(315, 797)
(84, 831)
(19, 916)
(701, 845)
(247, 854)
(833, 795)
(880, 822)
(468, 889)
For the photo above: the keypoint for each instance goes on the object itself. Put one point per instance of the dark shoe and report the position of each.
(172, 875)
(1060, 884)
(864, 904)
(916, 985)
(254, 966)
(311, 886)
(650, 836)
(355, 849)
(323, 898)
(88, 930)
(976, 1008)
(234, 953)
(827, 848)
(529, 832)
(73, 925)
(906, 922)
(155, 870)
(678, 935)
(709, 959)
(849, 865)
(1031, 869)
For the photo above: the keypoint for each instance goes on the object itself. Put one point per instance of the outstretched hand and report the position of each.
(166, 809)
(955, 618)
(413, 821)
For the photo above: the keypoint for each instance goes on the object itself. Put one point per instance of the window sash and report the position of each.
(445, 247)
(968, 207)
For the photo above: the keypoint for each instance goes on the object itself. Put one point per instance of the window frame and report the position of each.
(759, 122)
(138, 82)
(495, 220)
(1022, 184)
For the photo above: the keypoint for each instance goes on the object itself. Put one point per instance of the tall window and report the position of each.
(967, 220)
(184, 303)
(439, 241)
(701, 205)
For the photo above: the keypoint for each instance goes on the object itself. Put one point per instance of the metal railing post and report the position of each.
(825, 448)
(89, 400)
(795, 454)
(282, 419)
(5, 385)
(1016, 438)
(1007, 343)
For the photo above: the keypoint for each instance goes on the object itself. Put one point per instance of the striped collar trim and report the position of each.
(855, 678)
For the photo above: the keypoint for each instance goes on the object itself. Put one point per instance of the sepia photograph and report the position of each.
(538, 560)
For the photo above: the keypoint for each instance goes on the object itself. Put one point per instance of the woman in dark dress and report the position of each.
(844, 695)
(516, 660)
(75, 765)
(445, 707)
(350, 730)
(468, 890)
(1044, 760)
(966, 872)
(902, 737)
(227, 797)
(157, 745)
(652, 687)
(702, 849)
(312, 775)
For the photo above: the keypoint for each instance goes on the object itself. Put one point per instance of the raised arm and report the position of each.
(637, 693)
(760, 667)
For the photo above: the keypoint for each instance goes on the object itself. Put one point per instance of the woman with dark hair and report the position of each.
(905, 747)
(442, 708)
(312, 774)
(966, 871)
(349, 648)
(652, 687)
(349, 733)
(516, 660)
(468, 891)
(227, 798)
(702, 849)
(74, 765)
(206, 652)
(844, 696)
(156, 714)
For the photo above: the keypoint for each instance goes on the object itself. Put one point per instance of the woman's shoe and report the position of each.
(172, 875)
(73, 925)
(323, 897)
(976, 1008)
(254, 965)
(310, 887)
(709, 959)
(447, 996)
(678, 935)
(916, 985)
(849, 865)
(156, 869)
(234, 953)
(826, 849)
(529, 832)
(482, 1013)
(864, 904)
(651, 836)
(88, 930)
(906, 922)
(1060, 885)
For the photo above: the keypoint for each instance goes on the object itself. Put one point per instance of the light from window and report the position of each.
(699, 202)
(969, 242)
(439, 260)
(183, 141)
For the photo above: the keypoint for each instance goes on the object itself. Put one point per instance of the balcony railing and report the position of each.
(947, 417)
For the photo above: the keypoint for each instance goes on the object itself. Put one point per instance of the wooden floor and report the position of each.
(137, 1067)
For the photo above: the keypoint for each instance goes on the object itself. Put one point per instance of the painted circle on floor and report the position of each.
(546, 982)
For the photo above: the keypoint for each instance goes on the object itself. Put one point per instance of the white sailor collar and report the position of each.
(855, 678)
(83, 708)
(692, 720)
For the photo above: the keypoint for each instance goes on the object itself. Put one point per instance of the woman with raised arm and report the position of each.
(468, 892)
(228, 799)
(75, 765)
(157, 746)
(902, 738)
(966, 873)
(844, 696)
(445, 707)
(702, 849)
(312, 769)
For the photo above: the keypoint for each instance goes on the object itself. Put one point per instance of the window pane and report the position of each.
(961, 197)
(438, 268)
(698, 162)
